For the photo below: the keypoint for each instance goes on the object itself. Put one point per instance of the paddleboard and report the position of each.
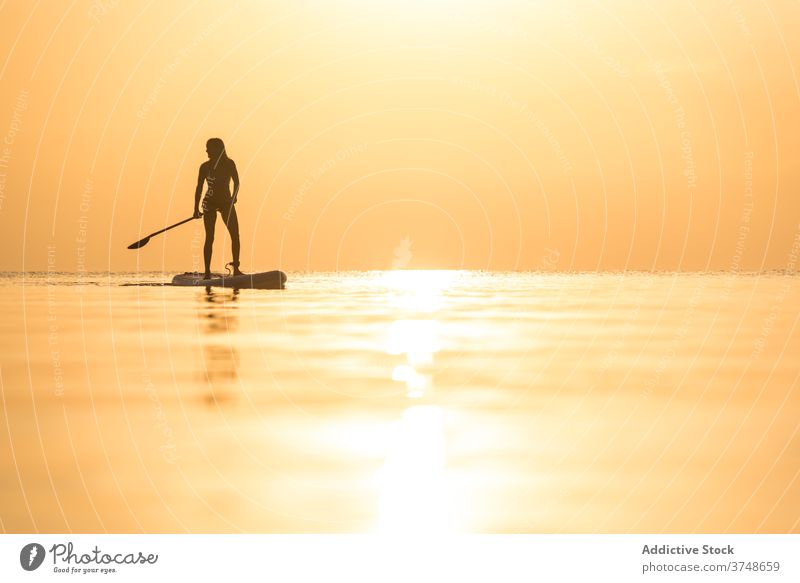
(265, 280)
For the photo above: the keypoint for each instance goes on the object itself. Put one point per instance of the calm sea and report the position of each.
(401, 401)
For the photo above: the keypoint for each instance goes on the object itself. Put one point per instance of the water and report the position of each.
(401, 401)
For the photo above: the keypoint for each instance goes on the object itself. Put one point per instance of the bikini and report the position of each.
(213, 201)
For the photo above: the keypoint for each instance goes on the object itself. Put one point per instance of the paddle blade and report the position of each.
(139, 244)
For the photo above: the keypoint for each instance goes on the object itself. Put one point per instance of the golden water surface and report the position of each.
(430, 401)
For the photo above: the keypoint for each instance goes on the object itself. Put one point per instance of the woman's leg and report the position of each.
(232, 222)
(209, 221)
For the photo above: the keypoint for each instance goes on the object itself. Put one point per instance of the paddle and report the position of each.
(146, 240)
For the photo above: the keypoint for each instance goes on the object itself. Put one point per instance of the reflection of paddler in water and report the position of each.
(218, 172)
(220, 358)
(219, 311)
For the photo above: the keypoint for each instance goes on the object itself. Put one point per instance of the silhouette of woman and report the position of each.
(218, 172)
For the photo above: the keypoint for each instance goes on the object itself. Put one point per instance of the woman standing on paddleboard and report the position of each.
(218, 172)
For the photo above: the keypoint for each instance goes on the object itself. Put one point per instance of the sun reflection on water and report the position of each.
(412, 481)
(418, 341)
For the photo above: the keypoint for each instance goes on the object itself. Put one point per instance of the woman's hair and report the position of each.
(217, 146)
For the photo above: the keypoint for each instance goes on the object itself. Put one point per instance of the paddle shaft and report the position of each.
(143, 242)
(171, 227)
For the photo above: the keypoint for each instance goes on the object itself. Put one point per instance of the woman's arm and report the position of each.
(235, 176)
(198, 191)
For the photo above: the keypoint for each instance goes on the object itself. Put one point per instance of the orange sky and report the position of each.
(372, 134)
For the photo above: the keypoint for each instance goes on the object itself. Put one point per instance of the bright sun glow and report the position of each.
(422, 290)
